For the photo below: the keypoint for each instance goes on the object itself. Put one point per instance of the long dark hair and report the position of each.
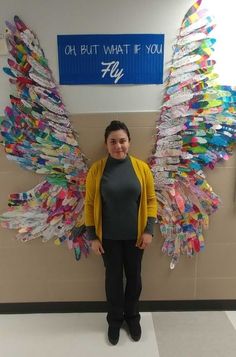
(116, 125)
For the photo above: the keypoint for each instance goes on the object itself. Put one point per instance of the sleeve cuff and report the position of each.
(91, 234)
(150, 225)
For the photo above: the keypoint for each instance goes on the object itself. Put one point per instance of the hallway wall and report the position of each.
(37, 271)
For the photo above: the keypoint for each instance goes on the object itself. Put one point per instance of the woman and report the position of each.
(120, 211)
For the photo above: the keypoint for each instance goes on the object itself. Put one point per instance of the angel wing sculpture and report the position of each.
(37, 134)
(196, 128)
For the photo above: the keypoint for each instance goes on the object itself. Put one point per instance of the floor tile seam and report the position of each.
(155, 333)
(228, 315)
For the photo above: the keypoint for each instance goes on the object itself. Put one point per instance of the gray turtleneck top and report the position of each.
(120, 193)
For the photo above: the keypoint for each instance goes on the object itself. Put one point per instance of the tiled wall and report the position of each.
(39, 271)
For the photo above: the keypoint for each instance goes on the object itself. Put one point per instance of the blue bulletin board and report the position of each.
(111, 59)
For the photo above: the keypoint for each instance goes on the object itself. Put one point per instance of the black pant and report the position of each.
(122, 304)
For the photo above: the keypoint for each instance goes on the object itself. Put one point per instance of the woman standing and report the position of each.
(120, 211)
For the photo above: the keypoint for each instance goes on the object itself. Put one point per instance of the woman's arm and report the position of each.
(151, 194)
(90, 197)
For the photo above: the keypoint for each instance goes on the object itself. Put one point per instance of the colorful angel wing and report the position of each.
(197, 128)
(37, 134)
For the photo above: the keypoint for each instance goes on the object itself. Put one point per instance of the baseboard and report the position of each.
(100, 306)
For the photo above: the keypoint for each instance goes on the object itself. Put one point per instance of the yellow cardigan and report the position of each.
(93, 202)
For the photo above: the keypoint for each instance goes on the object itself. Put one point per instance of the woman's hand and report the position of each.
(145, 241)
(96, 247)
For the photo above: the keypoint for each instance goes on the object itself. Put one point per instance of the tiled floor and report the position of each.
(165, 334)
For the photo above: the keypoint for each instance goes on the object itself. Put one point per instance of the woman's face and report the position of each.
(118, 144)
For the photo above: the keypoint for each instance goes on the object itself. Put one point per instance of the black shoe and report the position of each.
(113, 334)
(134, 330)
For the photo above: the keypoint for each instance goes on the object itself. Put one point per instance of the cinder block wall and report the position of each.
(40, 272)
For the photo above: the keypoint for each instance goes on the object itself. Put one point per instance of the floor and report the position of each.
(165, 334)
